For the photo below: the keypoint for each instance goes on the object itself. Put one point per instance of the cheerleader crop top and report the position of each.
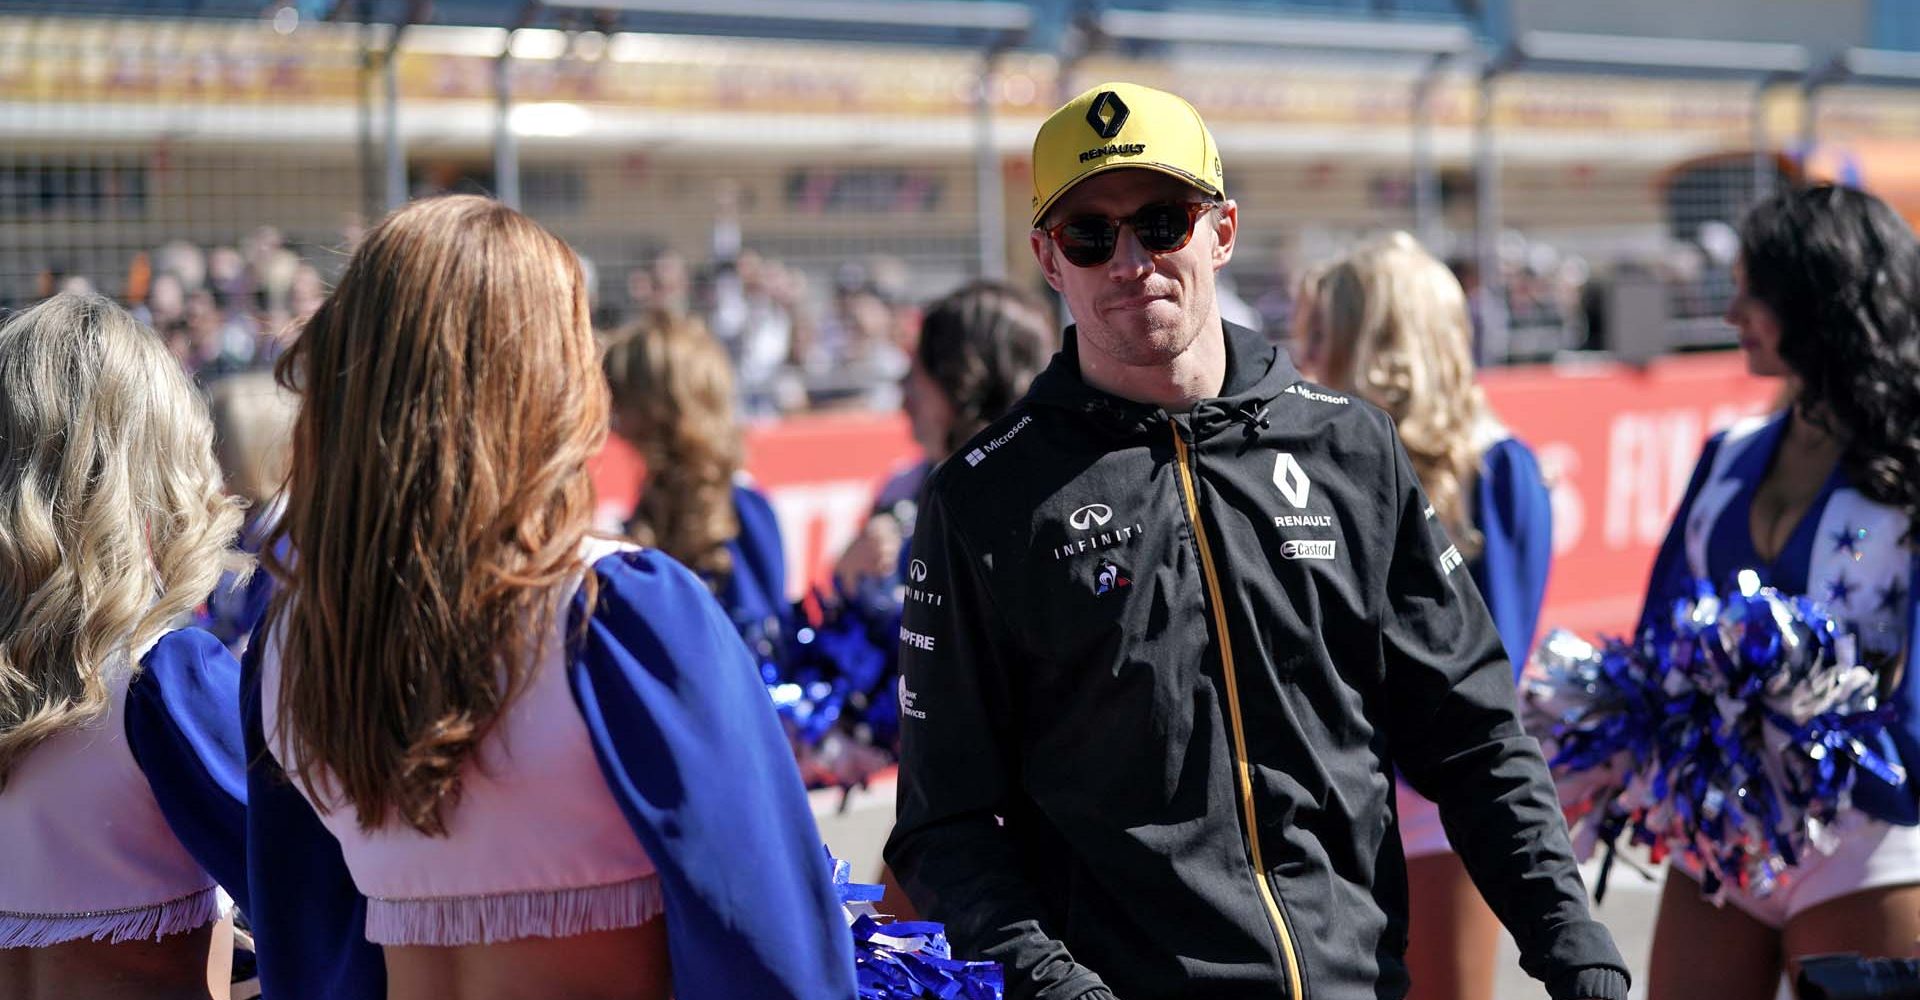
(113, 831)
(535, 846)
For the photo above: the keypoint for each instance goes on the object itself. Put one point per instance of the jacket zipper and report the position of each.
(1245, 769)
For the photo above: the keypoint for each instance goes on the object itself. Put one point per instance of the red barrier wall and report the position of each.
(1617, 443)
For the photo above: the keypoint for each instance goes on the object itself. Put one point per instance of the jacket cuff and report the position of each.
(1590, 984)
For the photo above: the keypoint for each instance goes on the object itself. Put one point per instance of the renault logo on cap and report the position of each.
(1107, 114)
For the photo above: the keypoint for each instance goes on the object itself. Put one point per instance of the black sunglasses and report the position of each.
(1162, 228)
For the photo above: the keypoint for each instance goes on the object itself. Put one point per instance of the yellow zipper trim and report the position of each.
(1294, 989)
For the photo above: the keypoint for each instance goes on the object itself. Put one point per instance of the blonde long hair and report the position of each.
(1399, 334)
(113, 523)
(672, 390)
(437, 498)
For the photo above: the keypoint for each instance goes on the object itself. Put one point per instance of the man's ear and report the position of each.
(1226, 227)
(1042, 245)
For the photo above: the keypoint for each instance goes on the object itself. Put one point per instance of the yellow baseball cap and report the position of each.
(1118, 125)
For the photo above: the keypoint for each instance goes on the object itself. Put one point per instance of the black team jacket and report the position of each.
(1157, 672)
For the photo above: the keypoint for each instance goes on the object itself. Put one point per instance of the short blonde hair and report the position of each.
(252, 432)
(1398, 329)
(113, 523)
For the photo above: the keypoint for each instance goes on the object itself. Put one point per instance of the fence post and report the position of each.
(990, 198)
(1491, 347)
(1762, 155)
(1428, 222)
(506, 146)
(396, 150)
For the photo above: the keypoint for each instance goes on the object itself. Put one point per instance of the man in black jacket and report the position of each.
(1171, 624)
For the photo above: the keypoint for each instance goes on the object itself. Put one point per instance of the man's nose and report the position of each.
(1130, 260)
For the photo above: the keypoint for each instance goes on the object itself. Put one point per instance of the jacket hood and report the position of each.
(1257, 372)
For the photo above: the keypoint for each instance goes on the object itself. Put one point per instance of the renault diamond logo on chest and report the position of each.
(1291, 479)
(1093, 515)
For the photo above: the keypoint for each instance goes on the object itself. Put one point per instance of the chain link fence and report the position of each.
(806, 197)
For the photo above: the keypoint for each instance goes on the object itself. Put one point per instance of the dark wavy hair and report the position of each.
(1841, 271)
(982, 345)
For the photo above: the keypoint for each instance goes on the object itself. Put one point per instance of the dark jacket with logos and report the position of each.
(1157, 671)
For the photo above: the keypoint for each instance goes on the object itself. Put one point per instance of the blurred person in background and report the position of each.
(1820, 499)
(757, 329)
(670, 284)
(218, 341)
(673, 401)
(855, 359)
(252, 427)
(122, 792)
(184, 261)
(1388, 322)
(490, 754)
(979, 348)
(166, 302)
(306, 292)
(978, 351)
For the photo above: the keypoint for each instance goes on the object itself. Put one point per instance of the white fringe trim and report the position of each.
(140, 923)
(463, 920)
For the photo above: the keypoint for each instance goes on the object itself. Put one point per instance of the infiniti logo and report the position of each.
(917, 571)
(1090, 516)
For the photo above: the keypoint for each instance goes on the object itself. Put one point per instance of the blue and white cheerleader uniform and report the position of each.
(1853, 555)
(121, 829)
(640, 775)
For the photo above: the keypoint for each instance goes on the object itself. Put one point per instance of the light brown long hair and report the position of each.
(112, 519)
(438, 496)
(1397, 323)
(673, 400)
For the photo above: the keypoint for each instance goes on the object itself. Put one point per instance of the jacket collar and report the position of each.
(1257, 372)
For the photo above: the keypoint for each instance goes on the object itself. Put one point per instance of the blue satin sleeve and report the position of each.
(1900, 803)
(1515, 516)
(690, 747)
(1672, 578)
(183, 726)
(309, 922)
(758, 588)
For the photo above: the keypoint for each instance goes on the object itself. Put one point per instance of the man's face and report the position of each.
(1139, 309)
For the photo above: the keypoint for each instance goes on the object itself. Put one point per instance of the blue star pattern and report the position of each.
(1839, 590)
(1893, 598)
(1848, 540)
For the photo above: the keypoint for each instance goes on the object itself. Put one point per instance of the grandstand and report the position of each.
(848, 141)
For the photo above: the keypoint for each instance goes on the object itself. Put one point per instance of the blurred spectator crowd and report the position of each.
(803, 341)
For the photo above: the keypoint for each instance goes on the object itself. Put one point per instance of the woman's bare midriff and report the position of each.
(626, 964)
(172, 968)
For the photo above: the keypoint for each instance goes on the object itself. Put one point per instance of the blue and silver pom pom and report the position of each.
(907, 961)
(1731, 734)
